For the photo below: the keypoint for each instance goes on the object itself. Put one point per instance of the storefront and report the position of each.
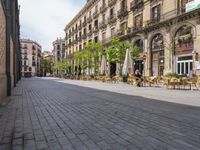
(157, 55)
(183, 50)
(139, 63)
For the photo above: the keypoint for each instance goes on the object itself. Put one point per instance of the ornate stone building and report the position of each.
(9, 47)
(59, 50)
(31, 58)
(167, 32)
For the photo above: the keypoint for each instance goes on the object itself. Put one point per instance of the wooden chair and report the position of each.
(116, 79)
(198, 81)
(106, 79)
(151, 80)
(192, 81)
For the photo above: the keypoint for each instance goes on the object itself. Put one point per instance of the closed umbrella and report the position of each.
(103, 65)
(128, 64)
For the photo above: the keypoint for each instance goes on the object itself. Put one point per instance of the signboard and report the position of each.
(198, 65)
(192, 5)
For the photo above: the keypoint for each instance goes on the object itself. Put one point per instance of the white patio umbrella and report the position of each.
(103, 65)
(128, 63)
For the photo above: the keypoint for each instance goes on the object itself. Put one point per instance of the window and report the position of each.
(104, 35)
(111, 12)
(90, 27)
(96, 8)
(123, 4)
(25, 46)
(80, 47)
(96, 23)
(103, 17)
(112, 32)
(96, 39)
(33, 47)
(155, 11)
(138, 21)
(58, 47)
(84, 31)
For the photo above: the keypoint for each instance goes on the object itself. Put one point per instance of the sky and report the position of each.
(44, 20)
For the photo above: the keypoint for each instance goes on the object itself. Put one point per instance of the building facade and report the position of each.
(31, 58)
(59, 50)
(166, 32)
(47, 63)
(9, 47)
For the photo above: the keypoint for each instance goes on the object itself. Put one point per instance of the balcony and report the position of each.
(152, 21)
(111, 2)
(72, 33)
(103, 25)
(122, 13)
(112, 19)
(95, 30)
(89, 19)
(84, 23)
(33, 64)
(95, 14)
(84, 36)
(80, 27)
(89, 33)
(76, 30)
(79, 39)
(136, 4)
(33, 53)
(136, 28)
(76, 41)
(103, 8)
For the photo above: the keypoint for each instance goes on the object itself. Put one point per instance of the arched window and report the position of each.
(183, 43)
(183, 40)
(139, 44)
(124, 4)
(157, 55)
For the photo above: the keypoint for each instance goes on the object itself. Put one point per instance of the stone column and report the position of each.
(147, 63)
(168, 53)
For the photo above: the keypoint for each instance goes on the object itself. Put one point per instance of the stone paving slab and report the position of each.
(44, 114)
(186, 97)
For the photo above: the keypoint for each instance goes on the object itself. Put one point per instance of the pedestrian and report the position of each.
(138, 77)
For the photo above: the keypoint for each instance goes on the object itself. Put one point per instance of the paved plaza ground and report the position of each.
(58, 114)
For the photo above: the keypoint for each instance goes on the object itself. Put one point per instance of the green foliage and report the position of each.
(93, 51)
(172, 75)
(134, 52)
(61, 66)
(46, 65)
(111, 55)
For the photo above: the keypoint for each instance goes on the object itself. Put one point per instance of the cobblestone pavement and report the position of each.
(186, 97)
(45, 114)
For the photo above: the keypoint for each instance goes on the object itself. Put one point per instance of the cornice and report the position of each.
(30, 41)
(81, 12)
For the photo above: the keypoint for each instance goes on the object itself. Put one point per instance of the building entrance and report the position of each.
(184, 65)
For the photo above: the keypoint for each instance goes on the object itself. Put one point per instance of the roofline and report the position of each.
(80, 13)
